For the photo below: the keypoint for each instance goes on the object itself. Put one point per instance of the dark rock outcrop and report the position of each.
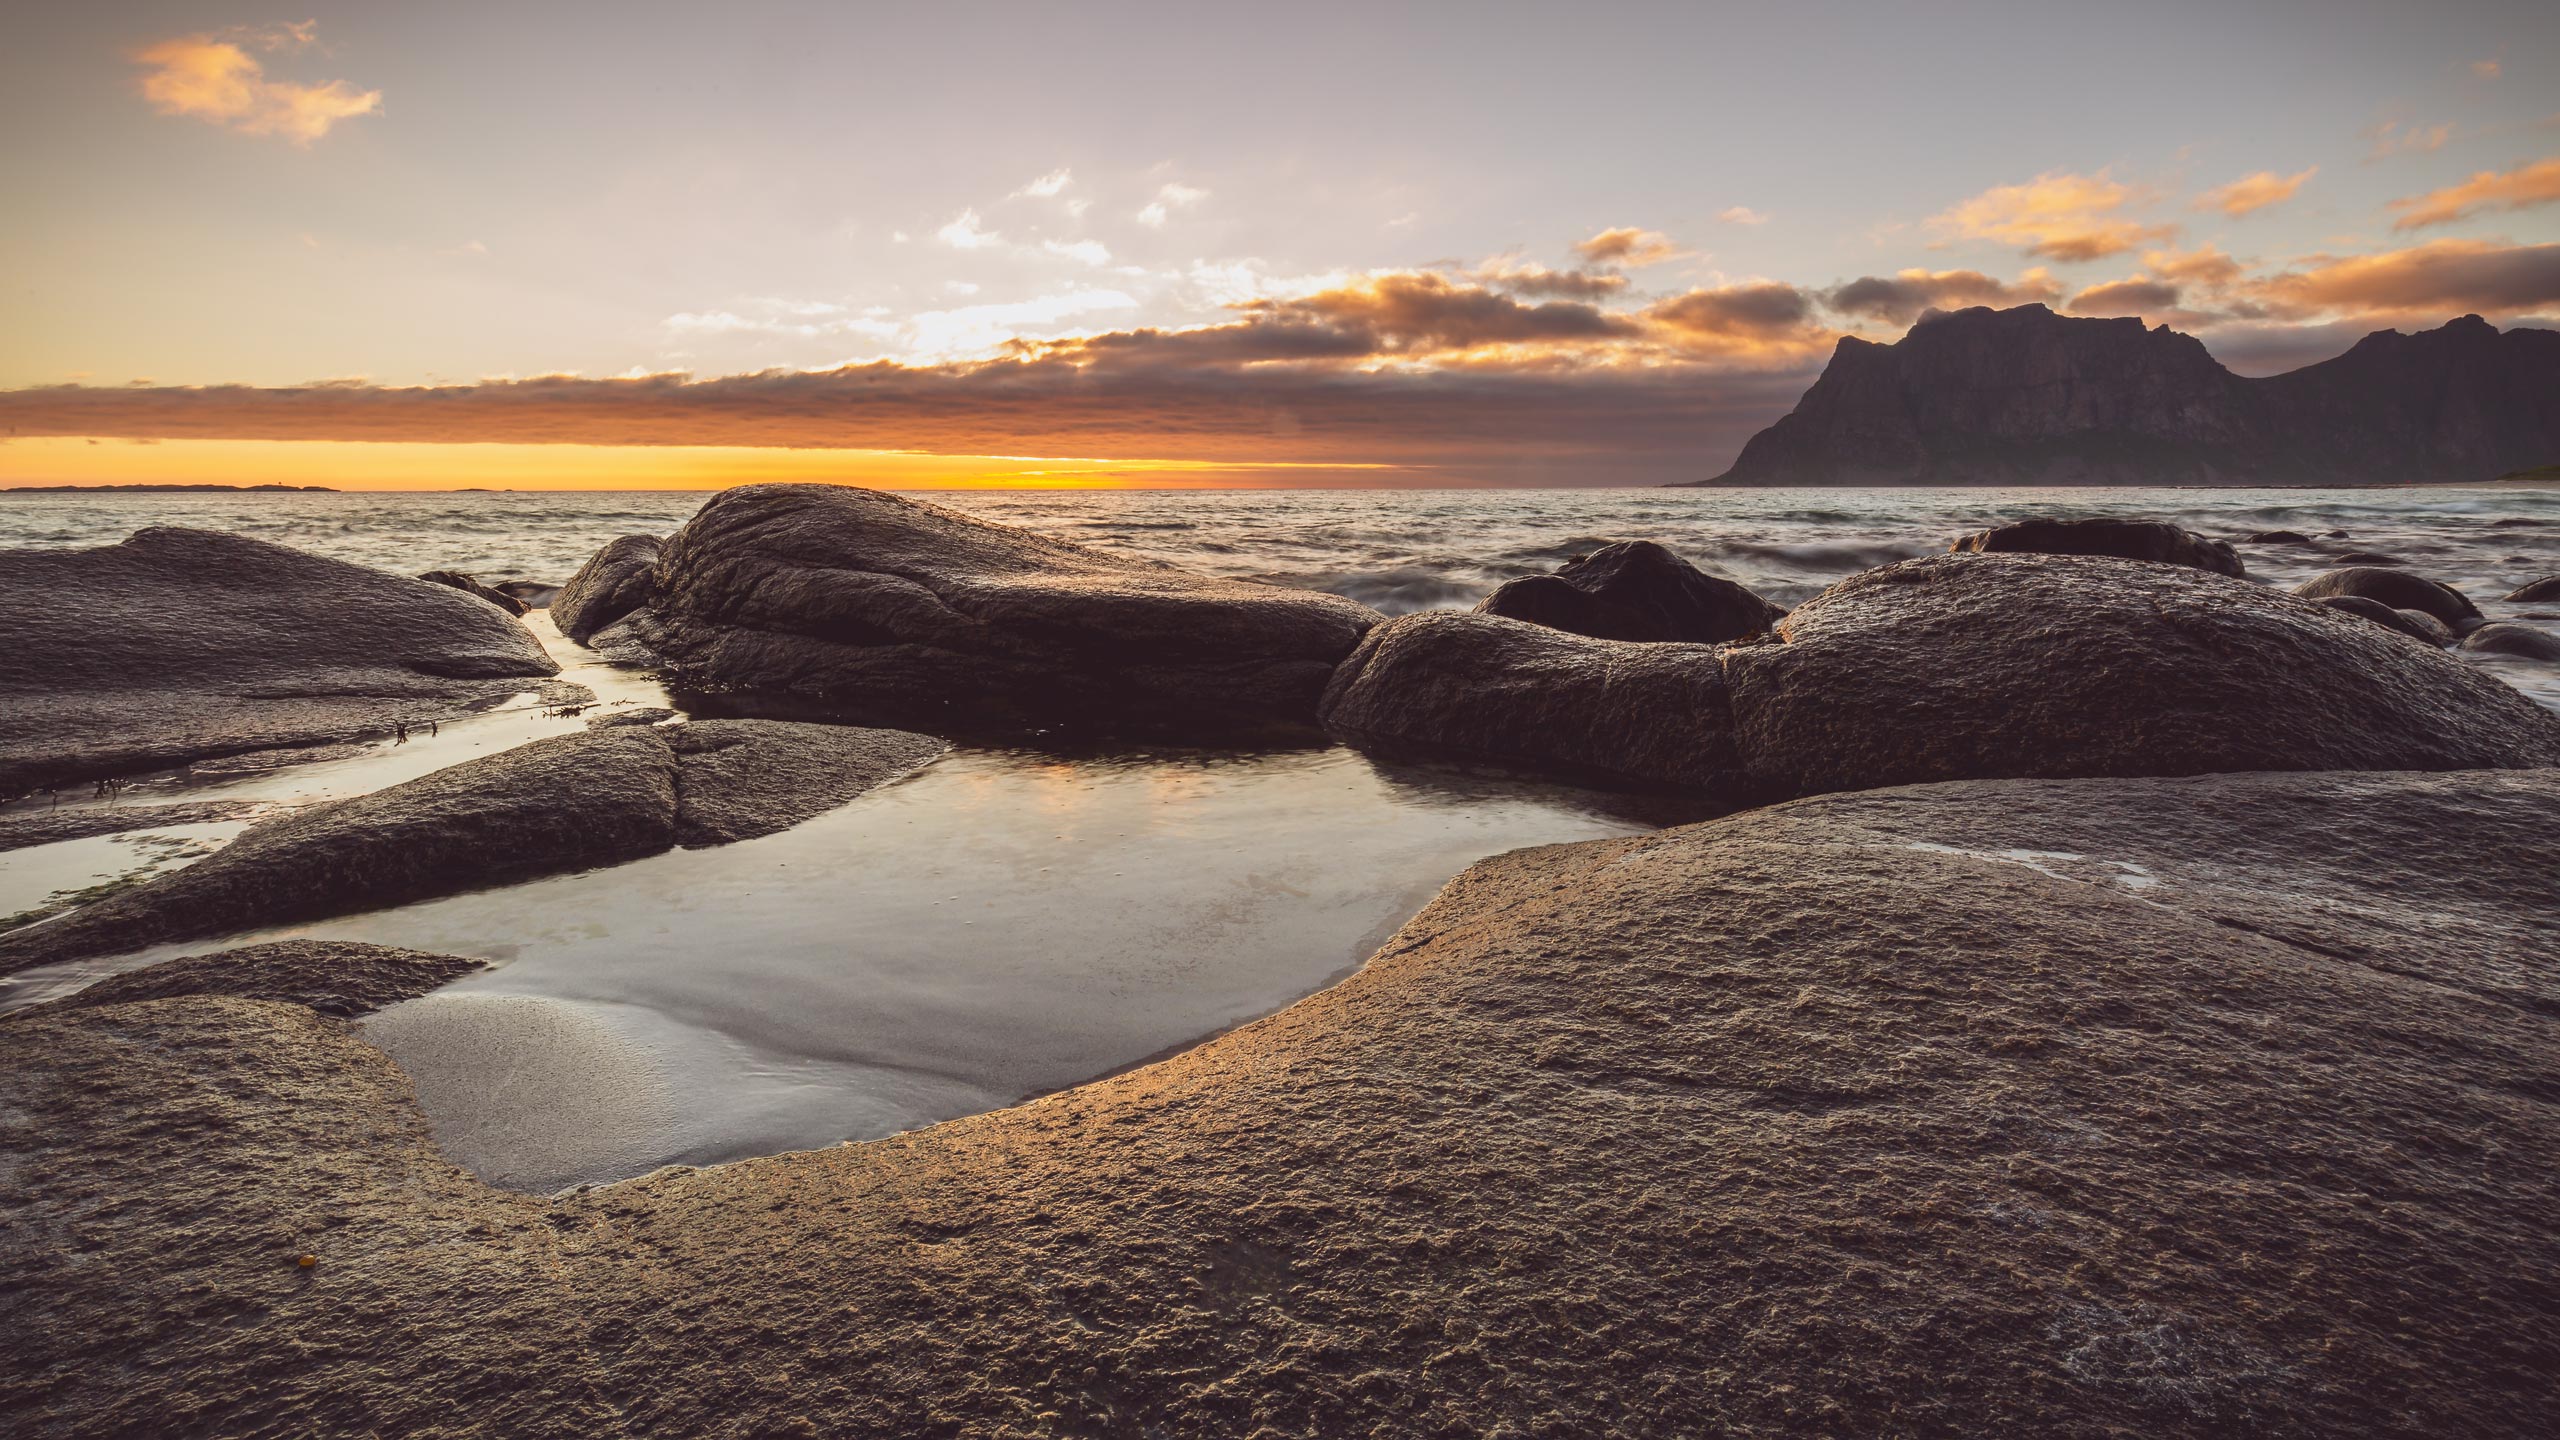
(1961, 667)
(181, 645)
(1493, 688)
(2173, 1108)
(615, 581)
(598, 797)
(468, 586)
(2028, 397)
(2536, 591)
(2279, 537)
(2154, 540)
(858, 602)
(1634, 590)
(2396, 588)
(2508, 638)
(344, 978)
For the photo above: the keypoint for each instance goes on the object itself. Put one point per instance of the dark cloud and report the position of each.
(1901, 298)
(2137, 296)
(1525, 279)
(2446, 276)
(1106, 397)
(1420, 312)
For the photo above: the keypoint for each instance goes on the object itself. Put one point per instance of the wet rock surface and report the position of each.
(597, 797)
(2396, 588)
(857, 601)
(2174, 1107)
(51, 827)
(1504, 689)
(179, 645)
(2153, 540)
(1991, 666)
(342, 978)
(615, 581)
(2546, 588)
(1634, 590)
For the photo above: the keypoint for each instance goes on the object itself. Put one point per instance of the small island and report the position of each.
(171, 489)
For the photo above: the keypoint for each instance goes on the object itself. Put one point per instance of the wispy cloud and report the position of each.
(1047, 185)
(1091, 252)
(2252, 193)
(2394, 137)
(966, 233)
(1169, 198)
(2517, 189)
(2058, 215)
(214, 78)
(1627, 245)
(1741, 215)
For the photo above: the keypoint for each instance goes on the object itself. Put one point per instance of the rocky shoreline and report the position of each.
(2124, 1000)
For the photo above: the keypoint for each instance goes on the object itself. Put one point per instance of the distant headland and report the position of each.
(169, 489)
(2028, 397)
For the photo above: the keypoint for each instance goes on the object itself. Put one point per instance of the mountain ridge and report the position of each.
(2024, 396)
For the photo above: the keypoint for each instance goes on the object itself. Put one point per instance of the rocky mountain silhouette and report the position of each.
(2028, 397)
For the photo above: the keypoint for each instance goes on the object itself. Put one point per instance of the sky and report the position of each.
(590, 244)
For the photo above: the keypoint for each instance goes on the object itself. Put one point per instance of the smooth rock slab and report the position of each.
(2181, 1108)
(1509, 690)
(180, 645)
(344, 978)
(1994, 666)
(858, 602)
(597, 797)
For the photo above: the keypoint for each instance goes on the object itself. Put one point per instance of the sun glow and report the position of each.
(406, 465)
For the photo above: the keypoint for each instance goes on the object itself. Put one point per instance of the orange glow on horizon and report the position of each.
(418, 465)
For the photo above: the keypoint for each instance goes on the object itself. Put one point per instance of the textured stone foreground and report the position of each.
(2208, 1106)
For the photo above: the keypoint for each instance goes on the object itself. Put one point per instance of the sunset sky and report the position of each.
(1185, 244)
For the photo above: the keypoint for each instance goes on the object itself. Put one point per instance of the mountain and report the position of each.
(2028, 397)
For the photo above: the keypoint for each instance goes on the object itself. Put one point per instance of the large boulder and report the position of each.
(858, 602)
(615, 581)
(2396, 588)
(1492, 688)
(181, 645)
(1960, 667)
(2153, 540)
(2536, 591)
(1634, 590)
(597, 797)
(2173, 1108)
